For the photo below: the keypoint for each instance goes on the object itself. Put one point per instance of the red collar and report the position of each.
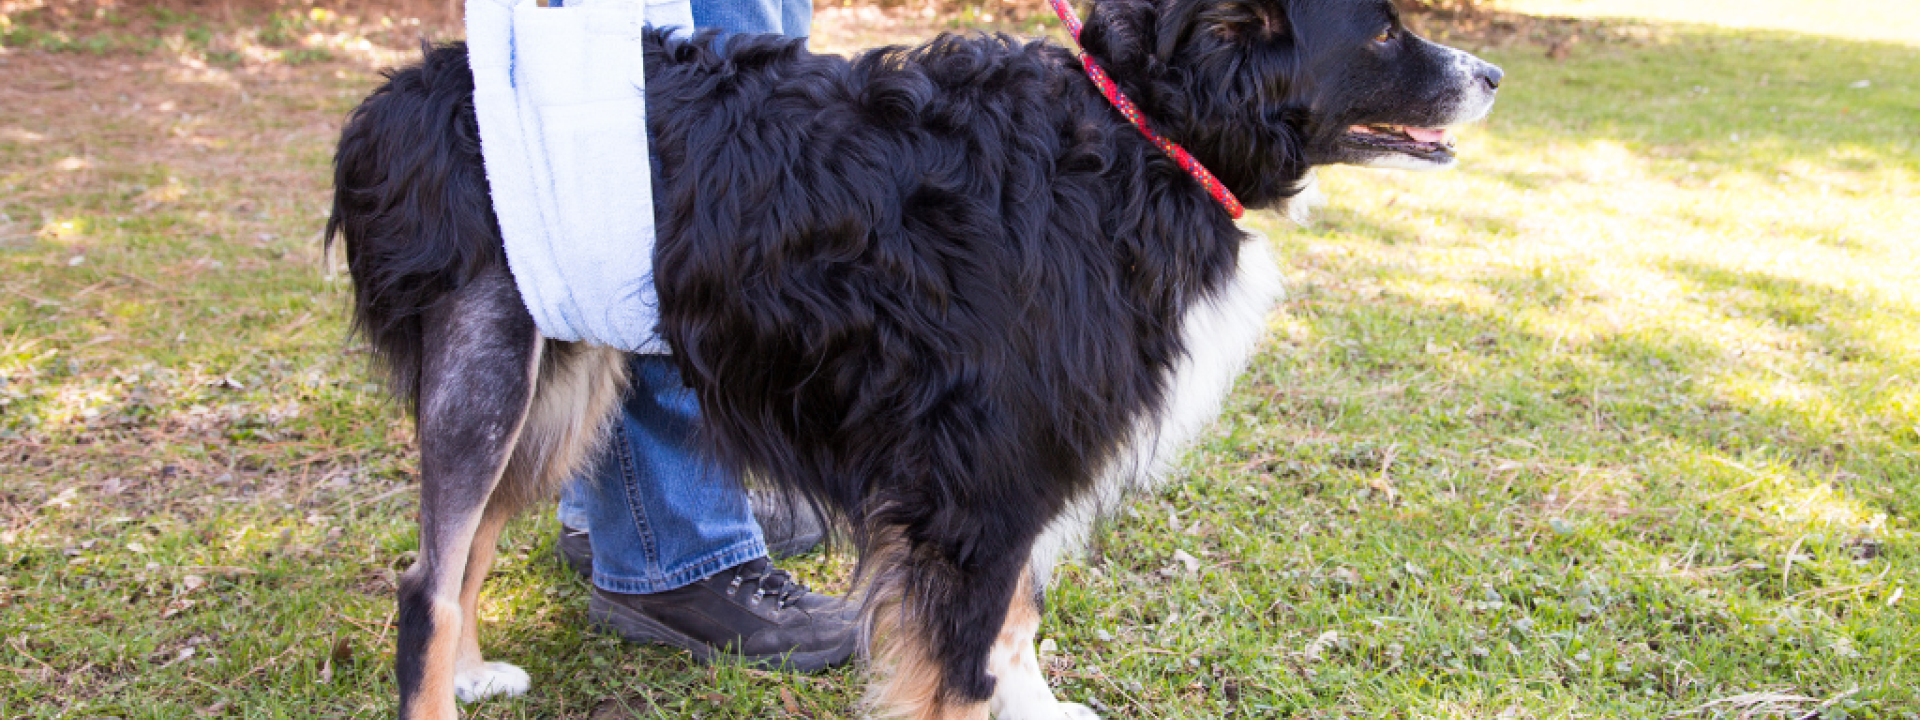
(1125, 106)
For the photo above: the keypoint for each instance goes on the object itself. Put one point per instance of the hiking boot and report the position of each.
(790, 527)
(576, 551)
(753, 612)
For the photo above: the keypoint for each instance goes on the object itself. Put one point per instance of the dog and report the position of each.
(947, 292)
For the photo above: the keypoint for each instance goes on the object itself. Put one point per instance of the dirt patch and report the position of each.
(94, 15)
(1478, 29)
(228, 33)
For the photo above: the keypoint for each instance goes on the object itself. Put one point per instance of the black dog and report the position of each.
(948, 292)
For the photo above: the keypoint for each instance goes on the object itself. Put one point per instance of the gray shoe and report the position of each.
(753, 612)
(576, 551)
(790, 527)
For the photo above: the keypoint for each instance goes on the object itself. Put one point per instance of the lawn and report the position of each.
(1620, 419)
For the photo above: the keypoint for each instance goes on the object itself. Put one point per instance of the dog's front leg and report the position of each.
(933, 623)
(1021, 692)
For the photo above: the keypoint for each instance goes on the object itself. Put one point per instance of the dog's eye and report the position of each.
(1385, 36)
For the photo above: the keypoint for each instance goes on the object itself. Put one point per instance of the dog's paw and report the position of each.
(1046, 711)
(494, 679)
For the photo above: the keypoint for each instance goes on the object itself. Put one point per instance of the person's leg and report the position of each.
(671, 543)
(678, 557)
(574, 548)
(661, 515)
(796, 18)
(731, 17)
(790, 527)
(644, 485)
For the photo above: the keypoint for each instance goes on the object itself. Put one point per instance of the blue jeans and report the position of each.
(659, 515)
(793, 18)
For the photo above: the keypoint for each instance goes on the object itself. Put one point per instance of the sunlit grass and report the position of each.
(1852, 19)
(1644, 364)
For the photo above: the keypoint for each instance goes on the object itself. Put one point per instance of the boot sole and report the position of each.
(632, 626)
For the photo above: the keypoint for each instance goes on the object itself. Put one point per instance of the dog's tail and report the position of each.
(411, 206)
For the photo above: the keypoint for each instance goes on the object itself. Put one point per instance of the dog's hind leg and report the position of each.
(579, 387)
(477, 377)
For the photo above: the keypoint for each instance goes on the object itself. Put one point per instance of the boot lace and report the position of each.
(767, 581)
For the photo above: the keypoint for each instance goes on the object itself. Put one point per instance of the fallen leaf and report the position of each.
(64, 499)
(1187, 560)
(342, 653)
(179, 605)
(787, 701)
(186, 653)
(1318, 648)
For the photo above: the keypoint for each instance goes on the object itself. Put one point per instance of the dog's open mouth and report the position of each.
(1434, 144)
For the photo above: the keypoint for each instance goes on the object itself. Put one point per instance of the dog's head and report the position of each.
(1263, 90)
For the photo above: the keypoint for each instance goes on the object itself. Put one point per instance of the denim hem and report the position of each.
(688, 574)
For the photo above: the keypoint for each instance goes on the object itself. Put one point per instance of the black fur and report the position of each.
(414, 621)
(411, 200)
(937, 289)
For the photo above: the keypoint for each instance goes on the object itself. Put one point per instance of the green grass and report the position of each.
(1621, 419)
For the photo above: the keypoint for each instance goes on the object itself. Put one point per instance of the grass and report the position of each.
(1619, 419)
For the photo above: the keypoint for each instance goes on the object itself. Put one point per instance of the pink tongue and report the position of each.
(1427, 136)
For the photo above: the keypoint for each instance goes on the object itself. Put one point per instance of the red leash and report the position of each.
(1125, 106)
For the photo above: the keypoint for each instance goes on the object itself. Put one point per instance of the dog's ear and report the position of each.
(1248, 20)
(1230, 20)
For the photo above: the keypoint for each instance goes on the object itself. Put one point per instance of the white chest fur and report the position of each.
(1221, 335)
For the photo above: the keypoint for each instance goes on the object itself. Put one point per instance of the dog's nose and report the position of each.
(1491, 74)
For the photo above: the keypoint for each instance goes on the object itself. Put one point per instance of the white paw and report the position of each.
(494, 679)
(1048, 710)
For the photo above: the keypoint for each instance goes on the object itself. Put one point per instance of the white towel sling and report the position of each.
(560, 96)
